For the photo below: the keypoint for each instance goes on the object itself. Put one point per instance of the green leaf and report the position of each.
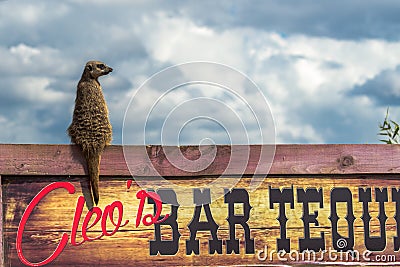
(395, 123)
(396, 131)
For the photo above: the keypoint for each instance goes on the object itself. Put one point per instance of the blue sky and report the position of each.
(329, 69)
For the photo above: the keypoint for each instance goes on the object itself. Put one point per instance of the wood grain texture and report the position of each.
(151, 160)
(27, 169)
(130, 246)
(1, 225)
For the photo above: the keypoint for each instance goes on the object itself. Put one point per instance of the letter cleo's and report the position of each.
(35, 201)
(100, 216)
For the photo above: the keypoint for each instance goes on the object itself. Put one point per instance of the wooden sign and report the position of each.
(331, 204)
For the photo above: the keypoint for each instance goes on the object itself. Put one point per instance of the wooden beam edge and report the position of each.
(66, 160)
(1, 225)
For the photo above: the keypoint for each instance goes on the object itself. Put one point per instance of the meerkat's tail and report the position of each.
(93, 164)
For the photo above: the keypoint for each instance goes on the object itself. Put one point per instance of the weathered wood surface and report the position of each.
(26, 169)
(130, 246)
(289, 159)
(1, 223)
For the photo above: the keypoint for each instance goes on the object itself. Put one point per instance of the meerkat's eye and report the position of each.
(101, 66)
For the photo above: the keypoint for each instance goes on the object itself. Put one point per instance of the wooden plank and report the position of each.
(1, 224)
(27, 169)
(130, 246)
(19, 194)
(151, 160)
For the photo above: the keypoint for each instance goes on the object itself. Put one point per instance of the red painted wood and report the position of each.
(150, 160)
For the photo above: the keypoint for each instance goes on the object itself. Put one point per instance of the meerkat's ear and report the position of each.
(89, 67)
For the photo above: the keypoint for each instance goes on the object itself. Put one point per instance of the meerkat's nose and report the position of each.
(110, 69)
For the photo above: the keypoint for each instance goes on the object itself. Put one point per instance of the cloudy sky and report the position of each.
(328, 69)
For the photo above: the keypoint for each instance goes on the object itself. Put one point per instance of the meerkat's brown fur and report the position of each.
(90, 127)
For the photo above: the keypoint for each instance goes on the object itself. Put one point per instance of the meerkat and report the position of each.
(90, 127)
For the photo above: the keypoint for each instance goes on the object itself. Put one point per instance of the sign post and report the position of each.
(332, 204)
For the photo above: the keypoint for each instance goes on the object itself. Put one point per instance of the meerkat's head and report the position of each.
(96, 69)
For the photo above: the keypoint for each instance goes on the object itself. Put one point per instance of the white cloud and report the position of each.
(24, 52)
(24, 127)
(38, 91)
(178, 40)
(305, 76)
(106, 2)
(298, 73)
(31, 13)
